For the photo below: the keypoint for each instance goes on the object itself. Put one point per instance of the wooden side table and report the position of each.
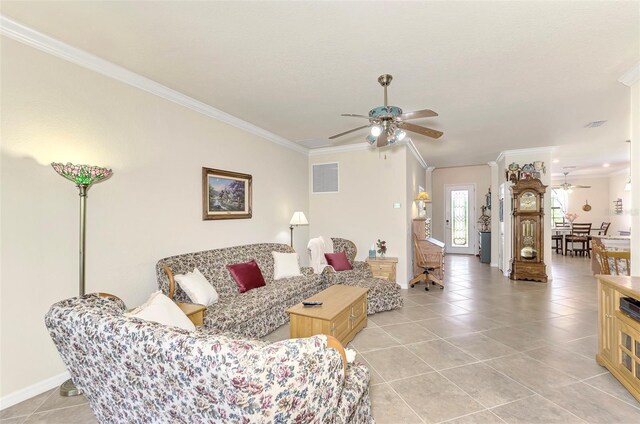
(383, 267)
(193, 311)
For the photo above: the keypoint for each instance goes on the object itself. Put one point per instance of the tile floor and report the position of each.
(483, 350)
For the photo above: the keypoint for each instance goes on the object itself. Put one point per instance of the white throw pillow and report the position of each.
(196, 286)
(285, 265)
(159, 308)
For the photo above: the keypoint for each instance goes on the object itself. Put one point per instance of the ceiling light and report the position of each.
(605, 165)
(371, 139)
(556, 160)
(400, 135)
(376, 130)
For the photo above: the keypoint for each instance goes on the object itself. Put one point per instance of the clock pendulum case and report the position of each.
(527, 261)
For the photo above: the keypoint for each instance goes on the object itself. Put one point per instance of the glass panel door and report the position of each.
(460, 218)
(460, 233)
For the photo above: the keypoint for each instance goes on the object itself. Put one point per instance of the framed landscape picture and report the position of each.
(225, 194)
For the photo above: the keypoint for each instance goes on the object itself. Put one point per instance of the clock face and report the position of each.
(528, 202)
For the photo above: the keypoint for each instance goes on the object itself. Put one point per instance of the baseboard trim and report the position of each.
(33, 390)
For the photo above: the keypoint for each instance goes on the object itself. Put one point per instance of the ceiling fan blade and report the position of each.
(383, 139)
(354, 115)
(347, 132)
(581, 186)
(420, 130)
(426, 113)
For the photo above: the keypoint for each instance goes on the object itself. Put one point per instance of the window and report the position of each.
(559, 201)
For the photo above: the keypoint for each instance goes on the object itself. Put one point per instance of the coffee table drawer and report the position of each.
(358, 311)
(341, 324)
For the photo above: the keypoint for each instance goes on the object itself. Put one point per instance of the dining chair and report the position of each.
(558, 239)
(602, 231)
(613, 262)
(579, 234)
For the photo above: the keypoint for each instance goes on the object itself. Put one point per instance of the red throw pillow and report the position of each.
(247, 275)
(338, 261)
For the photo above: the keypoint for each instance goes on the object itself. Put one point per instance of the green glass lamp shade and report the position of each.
(82, 175)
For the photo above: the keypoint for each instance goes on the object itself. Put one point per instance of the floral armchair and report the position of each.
(383, 295)
(134, 371)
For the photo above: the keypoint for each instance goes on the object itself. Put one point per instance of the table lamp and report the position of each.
(297, 219)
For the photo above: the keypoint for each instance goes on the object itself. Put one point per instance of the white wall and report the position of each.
(480, 175)
(603, 192)
(616, 191)
(53, 110)
(371, 181)
(635, 178)
(416, 177)
(597, 196)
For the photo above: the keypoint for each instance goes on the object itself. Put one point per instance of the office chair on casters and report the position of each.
(432, 265)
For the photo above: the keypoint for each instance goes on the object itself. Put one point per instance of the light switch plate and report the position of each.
(396, 206)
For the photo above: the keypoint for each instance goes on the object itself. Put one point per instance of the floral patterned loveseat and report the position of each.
(135, 371)
(255, 313)
(383, 295)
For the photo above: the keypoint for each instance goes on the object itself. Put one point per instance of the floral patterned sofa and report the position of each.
(135, 371)
(255, 313)
(383, 295)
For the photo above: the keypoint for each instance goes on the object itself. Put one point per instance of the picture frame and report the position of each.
(226, 195)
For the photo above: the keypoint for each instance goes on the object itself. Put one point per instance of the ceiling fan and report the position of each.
(566, 186)
(388, 124)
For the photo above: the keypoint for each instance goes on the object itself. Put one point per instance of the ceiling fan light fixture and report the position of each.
(371, 139)
(376, 130)
(399, 134)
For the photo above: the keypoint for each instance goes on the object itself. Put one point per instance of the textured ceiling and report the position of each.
(502, 75)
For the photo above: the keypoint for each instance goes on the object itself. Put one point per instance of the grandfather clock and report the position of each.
(527, 262)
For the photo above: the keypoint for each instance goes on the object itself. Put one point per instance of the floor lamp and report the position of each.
(82, 176)
(297, 219)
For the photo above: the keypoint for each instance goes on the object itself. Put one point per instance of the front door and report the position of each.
(460, 222)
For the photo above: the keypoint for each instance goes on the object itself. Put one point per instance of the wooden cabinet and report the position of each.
(342, 314)
(484, 247)
(383, 267)
(618, 333)
(605, 321)
(193, 311)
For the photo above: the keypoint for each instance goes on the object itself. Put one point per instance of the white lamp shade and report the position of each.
(298, 218)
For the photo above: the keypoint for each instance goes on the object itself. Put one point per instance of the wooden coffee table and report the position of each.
(342, 314)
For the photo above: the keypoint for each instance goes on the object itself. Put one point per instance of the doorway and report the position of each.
(459, 218)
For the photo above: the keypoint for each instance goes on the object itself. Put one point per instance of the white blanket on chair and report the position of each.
(317, 247)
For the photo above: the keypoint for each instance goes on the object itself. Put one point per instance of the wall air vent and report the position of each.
(595, 124)
(324, 177)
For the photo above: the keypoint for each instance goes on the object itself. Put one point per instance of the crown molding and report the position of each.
(47, 44)
(365, 146)
(505, 153)
(492, 164)
(413, 149)
(339, 149)
(632, 76)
